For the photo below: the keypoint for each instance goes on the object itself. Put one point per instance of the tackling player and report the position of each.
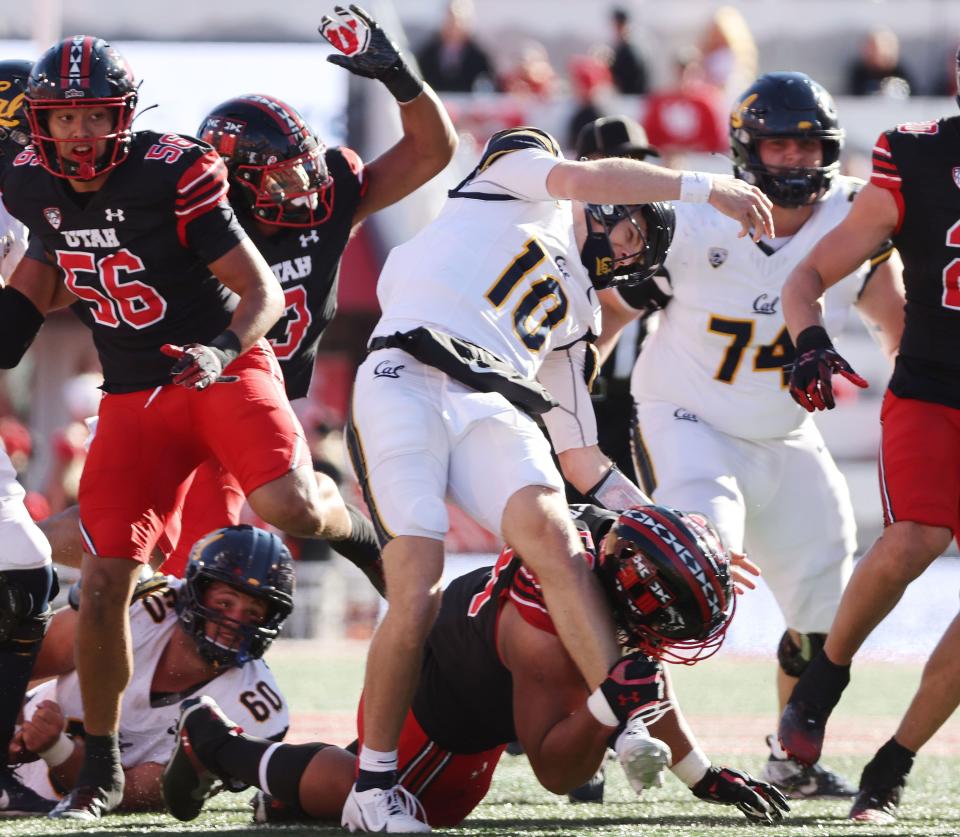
(484, 311)
(914, 197)
(713, 429)
(300, 203)
(207, 631)
(26, 572)
(136, 228)
(494, 657)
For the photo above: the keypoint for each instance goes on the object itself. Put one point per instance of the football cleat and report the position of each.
(187, 783)
(84, 803)
(16, 799)
(394, 811)
(642, 757)
(802, 729)
(266, 809)
(591, 791)
(800, 782)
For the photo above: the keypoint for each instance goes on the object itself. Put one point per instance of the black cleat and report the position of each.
(187, 783)
(802, 728)
(800, 782)
(881, 785)
(17, 800)
(266, 809)
(592, 791)
(86, 803)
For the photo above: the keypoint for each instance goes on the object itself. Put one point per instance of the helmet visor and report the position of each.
(295, 192)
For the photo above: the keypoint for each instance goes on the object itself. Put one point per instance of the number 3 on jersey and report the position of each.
(129, 301)
(544, 305)
(295, 322)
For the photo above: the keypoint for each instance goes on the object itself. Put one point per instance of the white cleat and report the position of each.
(394, 811)
(642, 757)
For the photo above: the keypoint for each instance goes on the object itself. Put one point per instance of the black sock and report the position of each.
(101, 765)
(367, 779)
(822, 683)
(286, 768)
(25, 593)
(889, 767)
(362, 548)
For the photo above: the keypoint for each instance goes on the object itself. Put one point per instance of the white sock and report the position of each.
(377, 762)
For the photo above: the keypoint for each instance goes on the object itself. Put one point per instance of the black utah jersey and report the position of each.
(464, 700)
(307, 264)
(136, 251)
(919, 163)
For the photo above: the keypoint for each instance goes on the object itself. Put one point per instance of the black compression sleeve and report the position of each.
(19, 323)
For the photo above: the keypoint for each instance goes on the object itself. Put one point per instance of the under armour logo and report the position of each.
(114, 214)
(309, 238)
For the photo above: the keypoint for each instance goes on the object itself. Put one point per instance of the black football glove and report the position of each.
(760, 802)
(198, 365)
(368, 51)
(634, 686)
(813, 368)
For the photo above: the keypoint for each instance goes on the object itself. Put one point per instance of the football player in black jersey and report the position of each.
(913, 197)
(494, 670)
(135, 231)
(300, 202)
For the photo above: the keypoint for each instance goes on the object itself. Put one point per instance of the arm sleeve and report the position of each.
(19, 323)
(572, 423)
(206, 223)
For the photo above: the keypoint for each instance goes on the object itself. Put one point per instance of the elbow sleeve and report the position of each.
(20, 320)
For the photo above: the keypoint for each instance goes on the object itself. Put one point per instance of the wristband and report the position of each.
(813, 337)
(228, 343)
(616, 493)
(402, 83)
(59, 751)
(600, 709)
(695, 186)
(692, 767)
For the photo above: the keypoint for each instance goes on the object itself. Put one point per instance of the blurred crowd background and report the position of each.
(675, 66)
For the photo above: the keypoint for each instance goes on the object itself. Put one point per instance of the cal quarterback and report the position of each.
(475, 308)
(714, 427)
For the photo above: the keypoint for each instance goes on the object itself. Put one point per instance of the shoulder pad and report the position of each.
(517, 139)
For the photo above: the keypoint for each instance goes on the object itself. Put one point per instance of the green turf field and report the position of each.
(730, 704)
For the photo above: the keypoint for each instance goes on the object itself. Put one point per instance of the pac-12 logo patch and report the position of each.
(716, 256)
(53, 216)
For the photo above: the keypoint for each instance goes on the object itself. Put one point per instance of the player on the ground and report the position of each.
(492, 295)
(914, 197)
(494, 657)
(300, 202)
(136, 227)
(206, 632)
(714, 430)
(26, 572)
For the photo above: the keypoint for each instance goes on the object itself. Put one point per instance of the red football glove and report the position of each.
(816, 362)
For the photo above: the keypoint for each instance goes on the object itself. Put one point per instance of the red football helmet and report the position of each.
(668, 578)
(81, 72)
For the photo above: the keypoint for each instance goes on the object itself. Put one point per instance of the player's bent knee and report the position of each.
(24, 607)
(428, 516)
(794, 656)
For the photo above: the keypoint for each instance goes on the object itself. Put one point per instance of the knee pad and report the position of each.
(794, 658)
(24, 604)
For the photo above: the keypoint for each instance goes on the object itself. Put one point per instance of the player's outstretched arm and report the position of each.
(759, 802)
(429, 138)
(871, 220)
(623, 181)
